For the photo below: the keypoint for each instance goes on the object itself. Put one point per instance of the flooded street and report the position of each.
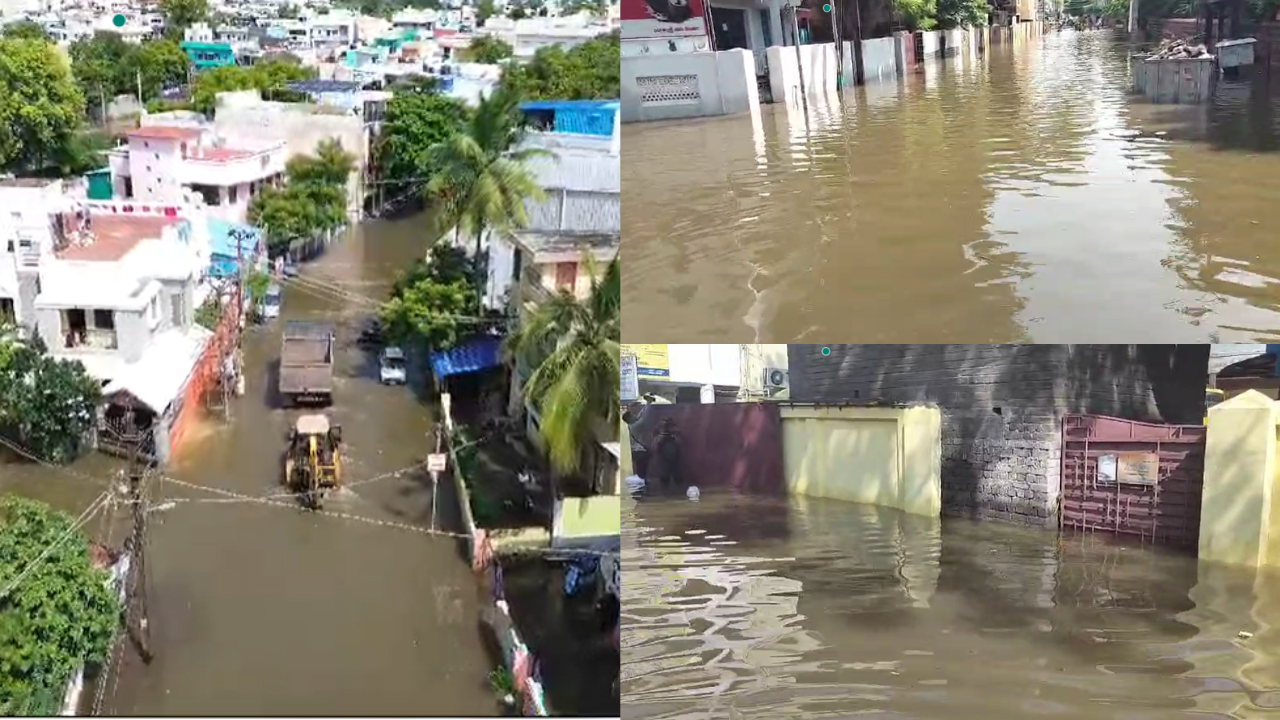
(269, 610)
(740, 607)
(1023, 196)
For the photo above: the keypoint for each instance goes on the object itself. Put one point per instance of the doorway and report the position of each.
(730, 28)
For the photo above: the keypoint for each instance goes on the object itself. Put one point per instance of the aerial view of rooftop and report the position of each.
(974, 170)
(309, 317)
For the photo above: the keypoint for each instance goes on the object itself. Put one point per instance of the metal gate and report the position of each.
(1132, 478)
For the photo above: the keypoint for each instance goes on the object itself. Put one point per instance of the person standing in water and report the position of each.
(666, 450)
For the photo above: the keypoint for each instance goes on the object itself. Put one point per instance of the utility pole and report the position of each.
(1133, 15)
(795, 37)
(435, 475)
(136, 614)
(859, 74)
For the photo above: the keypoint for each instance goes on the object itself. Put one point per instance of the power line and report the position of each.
(319, 288)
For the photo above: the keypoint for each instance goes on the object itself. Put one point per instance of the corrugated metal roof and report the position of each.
(580, 171)
(1220, 356)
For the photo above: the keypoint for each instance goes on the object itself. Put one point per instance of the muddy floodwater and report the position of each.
(269, 610)
(740, 607)
(1022, 196)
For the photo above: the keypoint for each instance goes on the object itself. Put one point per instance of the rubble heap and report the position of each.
(1176, 49)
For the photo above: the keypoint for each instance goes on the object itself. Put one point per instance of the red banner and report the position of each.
(662, 19)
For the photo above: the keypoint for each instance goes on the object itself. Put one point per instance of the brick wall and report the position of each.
(1002, 405)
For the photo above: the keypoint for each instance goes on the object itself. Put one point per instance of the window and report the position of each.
(104, 320)
(566, 275)
(233, 193)
(175, 310)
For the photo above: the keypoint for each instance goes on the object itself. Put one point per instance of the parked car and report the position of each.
(271, 303)
(391, 369)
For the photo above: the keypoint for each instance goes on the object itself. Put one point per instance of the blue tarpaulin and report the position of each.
(474, 355)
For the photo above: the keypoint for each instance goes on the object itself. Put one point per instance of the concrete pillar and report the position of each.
(1237, 522)
(775, 23)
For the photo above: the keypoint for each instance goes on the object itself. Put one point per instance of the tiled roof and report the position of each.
(165, 132)
(114, 236)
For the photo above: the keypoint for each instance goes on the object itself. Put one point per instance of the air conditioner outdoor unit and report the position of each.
(775, 378)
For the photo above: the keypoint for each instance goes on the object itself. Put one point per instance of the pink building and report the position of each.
(189, 165)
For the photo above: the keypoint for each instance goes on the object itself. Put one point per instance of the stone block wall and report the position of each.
(1002, 405)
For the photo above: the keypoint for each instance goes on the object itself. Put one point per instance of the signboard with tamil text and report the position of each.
(651, 360)
(662, 19)
(630, 379)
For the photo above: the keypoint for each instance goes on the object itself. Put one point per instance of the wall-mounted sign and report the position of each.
(651, 360)
(1138, 468)
(1107, 469)
(630, 379)
(662, 19)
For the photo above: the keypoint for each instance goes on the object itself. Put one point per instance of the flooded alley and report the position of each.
(757, 607)
(1024, 196)
(261, 609)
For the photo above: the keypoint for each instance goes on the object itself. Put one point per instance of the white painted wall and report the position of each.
(155, 165)
(819, 76)
(725, 83)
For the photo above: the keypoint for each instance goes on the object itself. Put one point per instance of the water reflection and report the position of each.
(1019, 196)
(743, 606)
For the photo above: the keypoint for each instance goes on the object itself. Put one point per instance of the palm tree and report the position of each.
(481, 179)
(573, 347)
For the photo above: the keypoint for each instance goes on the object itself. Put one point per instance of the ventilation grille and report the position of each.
(669, 90)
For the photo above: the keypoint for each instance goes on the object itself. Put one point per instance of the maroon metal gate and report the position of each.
(1132, 478)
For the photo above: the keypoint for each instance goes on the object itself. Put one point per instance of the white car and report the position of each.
(391, 366)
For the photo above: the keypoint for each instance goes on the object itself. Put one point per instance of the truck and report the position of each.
(306, 363)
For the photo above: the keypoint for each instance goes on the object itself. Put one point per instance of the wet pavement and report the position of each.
(269, 610)
(748, 607)
(1024, 196)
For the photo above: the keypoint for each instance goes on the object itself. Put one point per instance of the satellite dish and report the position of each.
(777, 377)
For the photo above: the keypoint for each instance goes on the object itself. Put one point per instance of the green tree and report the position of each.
(480, 178)
(413, 124)
(487, 49)
(426, 301)
(25, 30)
(47, 405)
(41, 109)
(588, 71)
(313, 200)
(428, 311)
(959, 13)
(484, 10)
(269, 77)
(182, 14)
(160, 63)
(59, 616)
(103, 66)
(917, 15)
(573, 347)
(415, 83)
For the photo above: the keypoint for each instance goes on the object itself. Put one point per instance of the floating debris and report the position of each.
(1175, 49)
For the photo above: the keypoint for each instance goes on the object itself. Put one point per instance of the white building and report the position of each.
(581, 212)
(527, 35)
(679, 373)
(120, 299)
(33, 224)
(183, 164)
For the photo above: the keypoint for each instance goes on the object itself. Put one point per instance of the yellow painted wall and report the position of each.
(1238, 523)
(624, 439)
(882, 456)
